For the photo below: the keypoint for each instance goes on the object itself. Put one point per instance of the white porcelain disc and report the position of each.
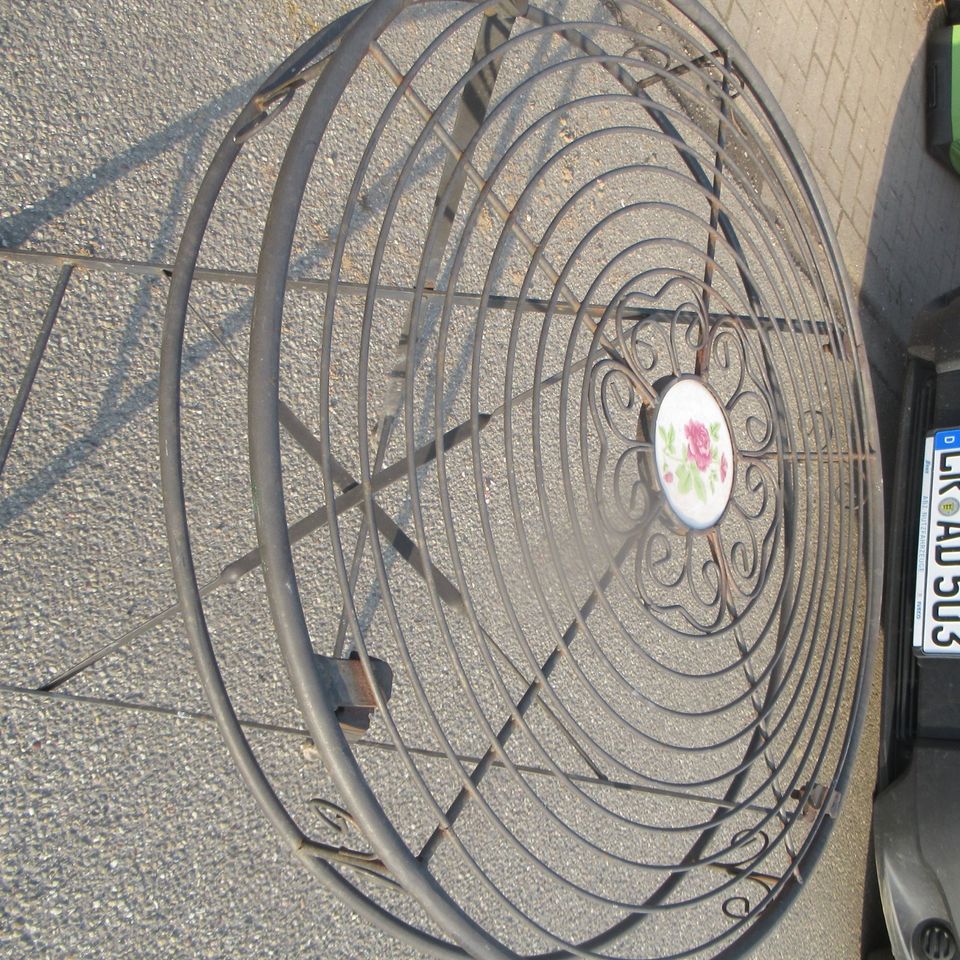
(694, 453)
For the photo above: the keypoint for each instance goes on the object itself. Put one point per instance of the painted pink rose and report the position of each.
(723, 467)
(698, 444)
(668, 477)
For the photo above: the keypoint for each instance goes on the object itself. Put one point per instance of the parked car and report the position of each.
(917, 804)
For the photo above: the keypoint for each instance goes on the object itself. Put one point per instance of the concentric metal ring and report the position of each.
(616, 726)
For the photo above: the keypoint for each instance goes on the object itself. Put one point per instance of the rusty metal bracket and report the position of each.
(813, 798)
(352, 690)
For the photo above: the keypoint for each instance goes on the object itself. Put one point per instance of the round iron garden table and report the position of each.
(564, 470)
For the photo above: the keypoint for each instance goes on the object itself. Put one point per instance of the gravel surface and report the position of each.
(123, 832)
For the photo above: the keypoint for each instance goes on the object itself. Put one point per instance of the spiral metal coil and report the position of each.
(564, 474)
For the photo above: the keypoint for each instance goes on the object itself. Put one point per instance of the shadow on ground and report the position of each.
(912, 257)
(912, 249)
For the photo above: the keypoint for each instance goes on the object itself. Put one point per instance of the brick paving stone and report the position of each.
(836, 80)
(842, 131)
(833, 174)
(866, 27)
(738, 23)
(863, 217)
(822, 137)
(850, 239)
(851, 181)
(808, 22)
(795, 87)
(876, 86)
(813, 87)
(846, 33)
(776, 81)
(827, 28)
(852, 84)
(838, 6)
(782, 39)
(861, 134)
(721, 10)
(803, 126)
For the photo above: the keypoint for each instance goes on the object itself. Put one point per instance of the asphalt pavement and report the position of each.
(126, 832)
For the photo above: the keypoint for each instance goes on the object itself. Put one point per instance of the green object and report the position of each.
(955, 98)
(943, 96)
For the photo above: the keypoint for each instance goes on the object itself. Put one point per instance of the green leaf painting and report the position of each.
(680, 466)
(699, 487)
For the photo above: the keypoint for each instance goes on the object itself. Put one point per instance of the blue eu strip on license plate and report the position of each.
(936, 620)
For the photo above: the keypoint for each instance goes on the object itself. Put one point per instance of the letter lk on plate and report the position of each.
(936, 618)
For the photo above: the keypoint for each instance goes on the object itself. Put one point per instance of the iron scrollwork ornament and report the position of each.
(695, 578)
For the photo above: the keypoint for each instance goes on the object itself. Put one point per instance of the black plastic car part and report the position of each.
(917, 808)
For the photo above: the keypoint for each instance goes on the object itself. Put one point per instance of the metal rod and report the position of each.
(202, 716)
(523, 705)
(167, 613)
(410, 552)
(391, 292)
(249, 561)
(33, 364)
(494, 31)
(180, 713)
(702, 359)
(502, 210)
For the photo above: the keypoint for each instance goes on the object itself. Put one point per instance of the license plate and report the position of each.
(936, 621)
